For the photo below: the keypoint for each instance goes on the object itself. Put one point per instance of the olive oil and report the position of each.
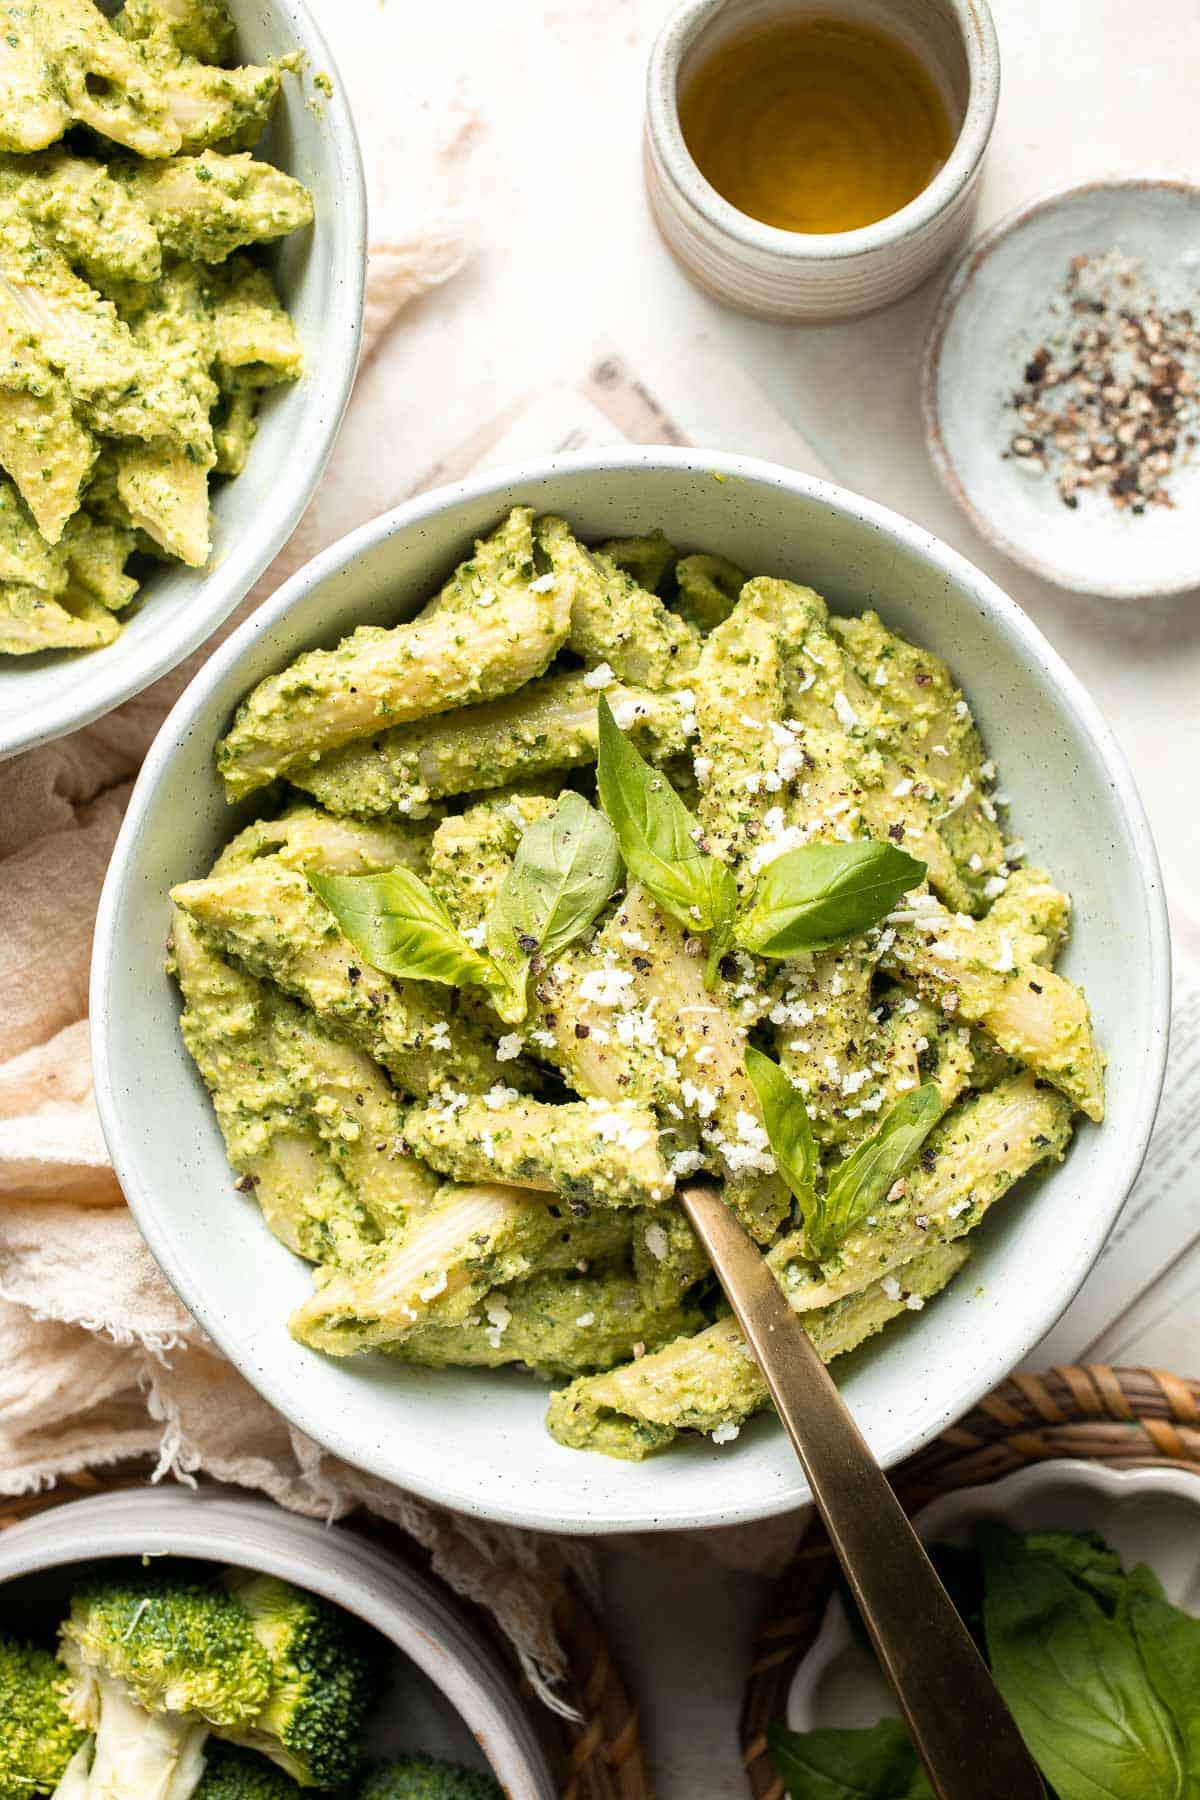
(815, 124)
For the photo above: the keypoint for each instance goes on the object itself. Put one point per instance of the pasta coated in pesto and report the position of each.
(480, 1189)
(137, 333)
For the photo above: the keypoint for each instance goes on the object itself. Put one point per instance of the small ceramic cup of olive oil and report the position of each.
(815, 159)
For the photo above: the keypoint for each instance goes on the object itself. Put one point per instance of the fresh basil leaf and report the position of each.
(1087, 1560)
(863, 1180)
(565, 869)
(822, 894)
(878, 1763)
(1168, 1642)
(789, 1129)
(657, 835)
(398, 925)
(1074, 1681)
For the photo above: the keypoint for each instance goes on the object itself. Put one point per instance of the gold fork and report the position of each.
(961, 1728)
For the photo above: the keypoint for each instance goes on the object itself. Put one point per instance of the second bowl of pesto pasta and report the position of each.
(180, 304)
(571, 831)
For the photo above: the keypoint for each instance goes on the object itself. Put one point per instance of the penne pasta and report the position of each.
(136, 336)
(547, 725)
(377, 677)
(593, 1153)
(710, 1382)
(775, 941)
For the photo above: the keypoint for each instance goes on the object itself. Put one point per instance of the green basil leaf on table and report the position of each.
(860, 1183)
(1074, 1681)
(877, 1763)
(789, 1130)
(565, 869)
(399, 926)
(657, 835)
(821, 894)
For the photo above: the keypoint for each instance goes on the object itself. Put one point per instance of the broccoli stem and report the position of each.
(74, 1781)
(138, 1755)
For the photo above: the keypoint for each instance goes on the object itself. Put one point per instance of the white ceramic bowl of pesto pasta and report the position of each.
(475, 1440)
(319, 272)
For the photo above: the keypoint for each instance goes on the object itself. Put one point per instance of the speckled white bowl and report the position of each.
(993, 315)
(1146, 1515)
(447, 1691)
(475, 1440)
(320, 273)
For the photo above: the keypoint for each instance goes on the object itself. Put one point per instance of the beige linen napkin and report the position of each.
(99, 1362)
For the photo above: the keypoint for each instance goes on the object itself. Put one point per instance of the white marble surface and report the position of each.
(569, 260)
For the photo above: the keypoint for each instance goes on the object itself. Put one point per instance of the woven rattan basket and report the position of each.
(1122, 1417)
(596, 1757)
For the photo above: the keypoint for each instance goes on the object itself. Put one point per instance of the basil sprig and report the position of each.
(862, 1182)
(822, 894)
(807, 899)
(565, 868)
(398, 925)
(1168, 1642)
(658, 838)
(789, 1131)
(1076, 1679)
(856, 1185)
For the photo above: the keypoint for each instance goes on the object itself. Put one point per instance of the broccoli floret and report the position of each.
(231, 1773)
(322, 1681)
(421, 1777)
(155, 1662)
(37, 1739)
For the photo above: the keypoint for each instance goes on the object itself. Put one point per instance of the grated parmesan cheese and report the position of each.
(656, 1238)
(500, 1317)
(605, 987)
(847, 717)
(498, 1096)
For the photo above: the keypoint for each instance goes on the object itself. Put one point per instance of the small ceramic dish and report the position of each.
(475, 1439)
(320, 274)
(800, 277)
(446, 1690)
(995, 312)
(1145, 1515)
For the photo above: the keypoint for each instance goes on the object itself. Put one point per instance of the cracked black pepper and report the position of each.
(1108, 401)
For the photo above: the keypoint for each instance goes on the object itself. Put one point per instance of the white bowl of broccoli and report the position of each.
(159, 1645)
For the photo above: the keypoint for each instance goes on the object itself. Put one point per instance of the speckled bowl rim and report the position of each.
(982, 50)
(329, 381)
(976, 588)
(956, 287)
(402, 1604)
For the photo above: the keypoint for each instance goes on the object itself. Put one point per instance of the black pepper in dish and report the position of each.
(1109, 401)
